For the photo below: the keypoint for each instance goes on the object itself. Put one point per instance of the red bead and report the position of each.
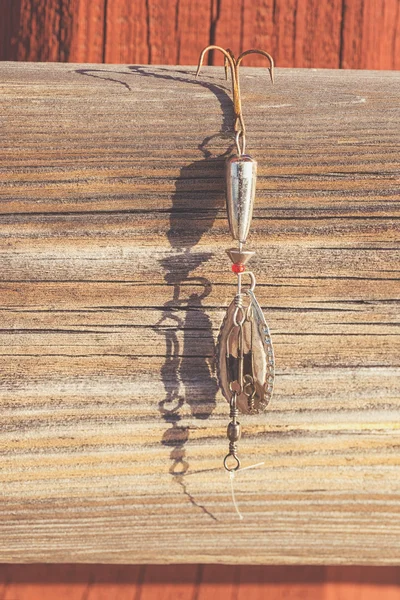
(237, 268)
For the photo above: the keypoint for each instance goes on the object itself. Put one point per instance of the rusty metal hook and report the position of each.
(234, 64)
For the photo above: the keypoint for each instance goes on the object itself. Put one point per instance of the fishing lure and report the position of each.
(245, 356)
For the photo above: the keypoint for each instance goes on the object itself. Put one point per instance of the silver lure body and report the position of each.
(241, 175)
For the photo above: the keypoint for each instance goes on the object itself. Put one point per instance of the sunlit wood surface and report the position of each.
(114, 281)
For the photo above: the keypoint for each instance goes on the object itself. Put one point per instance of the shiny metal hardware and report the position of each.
(245, 362)
(241, 174)
(240, 256)
(245, 356)
(231, 461)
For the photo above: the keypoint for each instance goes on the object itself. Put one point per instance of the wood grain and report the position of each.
(114, 281)
(298, 33)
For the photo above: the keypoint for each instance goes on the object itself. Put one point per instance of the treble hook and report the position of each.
(234, 64)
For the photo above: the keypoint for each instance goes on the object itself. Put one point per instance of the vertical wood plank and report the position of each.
(303, 34)
(156, 31)
(371, 34)
(127, 32)
(219, 581)
(60, 30)
(228, 27)
(3, 581)
(169, 582)
(72, 582)
(284, 33)
(114, 582)
(243, 25)
(39, 30)
(359, 583)
(318, 34)
(9, 29)
(279, 583)
(45, 582)
(193, 27)
(88, 28)
(259, 28)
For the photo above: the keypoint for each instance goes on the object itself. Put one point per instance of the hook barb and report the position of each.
(229, 59)
(271, 68)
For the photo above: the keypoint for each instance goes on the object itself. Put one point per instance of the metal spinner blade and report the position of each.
(245, 355)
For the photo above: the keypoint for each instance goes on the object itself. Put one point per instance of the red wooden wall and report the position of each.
(357, 34)
(197, 582)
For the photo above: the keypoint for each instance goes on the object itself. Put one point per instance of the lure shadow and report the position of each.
(188, 371)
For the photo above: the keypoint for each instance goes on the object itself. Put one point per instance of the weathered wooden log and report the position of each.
(114, 281)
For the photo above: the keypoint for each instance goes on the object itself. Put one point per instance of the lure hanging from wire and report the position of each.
(245, 356)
